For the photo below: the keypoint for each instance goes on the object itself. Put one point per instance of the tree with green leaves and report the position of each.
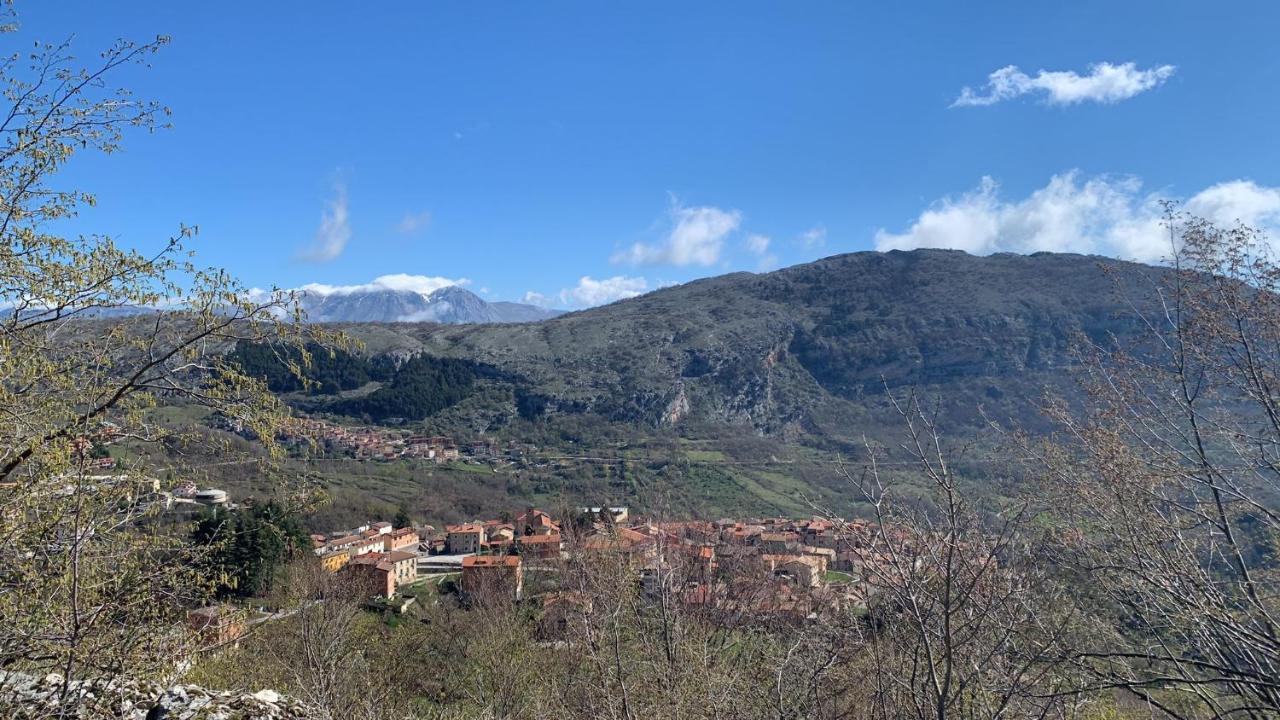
(92, 336)
(402, 519)
(249, 547)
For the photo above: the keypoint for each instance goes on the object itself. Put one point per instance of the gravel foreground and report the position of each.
(26, 697)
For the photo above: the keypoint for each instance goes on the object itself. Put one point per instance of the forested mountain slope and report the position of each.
(809, 351)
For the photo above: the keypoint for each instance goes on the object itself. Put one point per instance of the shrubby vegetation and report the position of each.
(92, 336)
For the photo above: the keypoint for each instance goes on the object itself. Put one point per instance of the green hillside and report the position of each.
(744, 393)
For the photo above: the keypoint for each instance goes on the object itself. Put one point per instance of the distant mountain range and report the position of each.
(450, 305)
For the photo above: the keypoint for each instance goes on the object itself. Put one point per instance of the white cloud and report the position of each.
(413, 223)
(696, 238)
(536, 298)
(814, 237)
(590, 292)
(334, 231)
(1238, 201)
(1102, 215)
(422, 284)
(1104, 83)
(758, 244)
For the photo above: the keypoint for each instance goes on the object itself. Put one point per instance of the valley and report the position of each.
(737, 394)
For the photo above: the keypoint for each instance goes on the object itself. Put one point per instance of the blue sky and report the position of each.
(575, 152)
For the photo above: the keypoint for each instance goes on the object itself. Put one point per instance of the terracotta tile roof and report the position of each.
(627, 535)
(537, 518)
(464, 528)
(540, 539)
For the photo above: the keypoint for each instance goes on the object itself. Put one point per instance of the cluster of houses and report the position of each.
(379, 557)
(369, 443)
(795, 570)
(794, 567)
(774, 566)
(384, 559)
(91, 449)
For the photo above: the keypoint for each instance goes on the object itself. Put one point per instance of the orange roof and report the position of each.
(464, 528)
(491, 561)
(631, 536)
(535, 517)
(540, 539)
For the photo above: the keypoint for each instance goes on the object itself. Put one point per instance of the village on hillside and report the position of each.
(792, 570)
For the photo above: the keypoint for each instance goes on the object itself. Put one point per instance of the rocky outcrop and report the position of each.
(26, 697)
(677, 408)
